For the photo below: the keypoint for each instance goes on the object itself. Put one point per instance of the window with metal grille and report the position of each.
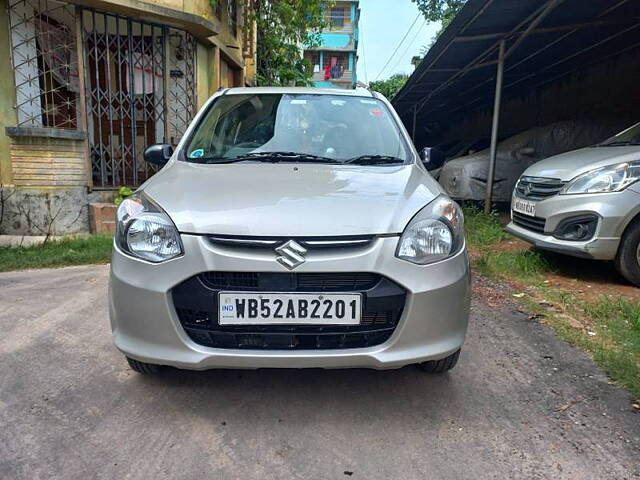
(337, 17)
(134, 97)
(44, 56)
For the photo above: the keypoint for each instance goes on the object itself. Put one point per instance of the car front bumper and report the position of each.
(613, 210)
(146, 327)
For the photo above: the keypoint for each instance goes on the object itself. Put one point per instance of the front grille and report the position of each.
(538, 188)
(311, 243)
(534, 224)
(196, 304)
(289, 282)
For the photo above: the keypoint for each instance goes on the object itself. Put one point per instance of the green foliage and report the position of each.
(623, 310)
(282, 26)
(524, 266)
(440, 10)
(70, 251)
(123, 192)
(614, 341)
(390, 86)
(482, 232)
(613, 336)
(482, 228)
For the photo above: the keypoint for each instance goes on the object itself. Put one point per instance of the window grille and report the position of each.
(44, 56)
(337, 17)
(139, 77)
(128, 109)
(182, 85)
(314, 60)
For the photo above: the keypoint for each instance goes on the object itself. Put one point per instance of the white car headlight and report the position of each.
(436, 232)
(606, 179)
(145, 231)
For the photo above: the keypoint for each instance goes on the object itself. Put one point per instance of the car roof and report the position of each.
(358, 92)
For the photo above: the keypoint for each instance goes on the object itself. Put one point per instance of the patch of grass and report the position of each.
(482, 228)
(617, 339)
(614, 323)
(71, 251)
(524, 266)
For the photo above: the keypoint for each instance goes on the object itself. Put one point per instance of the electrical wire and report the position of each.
(364, 59)
(399, 45)
(409, 45)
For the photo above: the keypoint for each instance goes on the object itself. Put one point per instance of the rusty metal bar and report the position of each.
(494, 127)
(536, 21)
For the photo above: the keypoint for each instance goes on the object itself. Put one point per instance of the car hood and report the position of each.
(569, 165)
(262, 199)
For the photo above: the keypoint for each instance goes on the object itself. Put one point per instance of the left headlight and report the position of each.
(145, 231)
(604, 180)
(436, 232)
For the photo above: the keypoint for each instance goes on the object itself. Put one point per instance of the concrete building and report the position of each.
(88, 84)
(334, 61)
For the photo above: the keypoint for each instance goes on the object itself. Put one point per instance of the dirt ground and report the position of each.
(584, 278)
(521, 404)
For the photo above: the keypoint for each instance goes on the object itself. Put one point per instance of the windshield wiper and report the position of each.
(271, 157)
(276, 157)
(374, 160)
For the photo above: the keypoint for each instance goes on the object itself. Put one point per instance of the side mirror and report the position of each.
(158, 154)
(432, 158)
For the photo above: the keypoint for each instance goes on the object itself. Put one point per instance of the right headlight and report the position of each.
(436, 232)
(612, 178)
(145, 231)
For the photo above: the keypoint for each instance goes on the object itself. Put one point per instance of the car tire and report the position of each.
(141, 367)
(440, 366)
(627, 260)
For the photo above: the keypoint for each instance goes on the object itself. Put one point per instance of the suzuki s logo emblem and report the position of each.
(291, 254)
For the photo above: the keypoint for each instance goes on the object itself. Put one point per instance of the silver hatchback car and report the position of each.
(290, 228)
(585, 203)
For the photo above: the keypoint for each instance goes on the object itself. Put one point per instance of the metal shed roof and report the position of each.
(545, 40)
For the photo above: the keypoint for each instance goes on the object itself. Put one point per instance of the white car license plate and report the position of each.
(526, 207)
(242, 308)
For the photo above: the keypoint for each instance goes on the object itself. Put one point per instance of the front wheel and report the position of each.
(440, 366)
(628, 257)
(141, 367)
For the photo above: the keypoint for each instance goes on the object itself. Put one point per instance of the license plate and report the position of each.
(242, 308)
(526, 207)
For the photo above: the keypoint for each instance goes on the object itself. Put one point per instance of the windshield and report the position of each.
(631, 136)
(296, 128)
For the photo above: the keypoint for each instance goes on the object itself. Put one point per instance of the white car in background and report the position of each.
(585, 203)
(465, 178)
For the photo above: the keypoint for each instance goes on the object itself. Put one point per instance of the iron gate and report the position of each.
(140, 90)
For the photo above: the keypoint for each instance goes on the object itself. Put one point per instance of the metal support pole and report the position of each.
(413, 128)
(494, 129)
